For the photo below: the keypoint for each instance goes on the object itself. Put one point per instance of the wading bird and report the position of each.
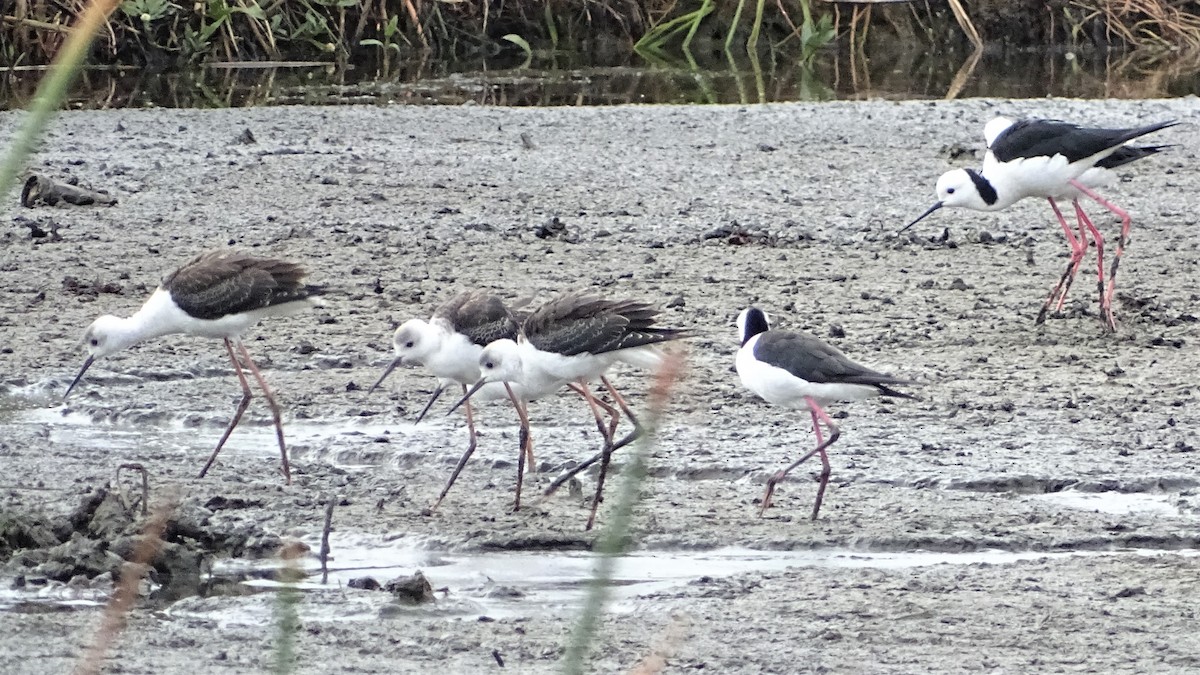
(795, 370)
(574, 339)
(1052, 160)
(219, 294)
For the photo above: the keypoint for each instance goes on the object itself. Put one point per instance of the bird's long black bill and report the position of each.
(437, 393)
(86, 364)
(387, 371)
(470, 392)
(921, 217)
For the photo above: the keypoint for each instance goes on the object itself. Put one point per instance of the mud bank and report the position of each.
(1050, 440)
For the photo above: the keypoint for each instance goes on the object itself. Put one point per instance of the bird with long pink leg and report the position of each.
(1052, 160)
(797, 370)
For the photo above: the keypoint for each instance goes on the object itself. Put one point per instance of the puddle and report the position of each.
(501, 584)
(350, 443)
(516, 584)
(135, 433)
(54, 597)
(1114, 503)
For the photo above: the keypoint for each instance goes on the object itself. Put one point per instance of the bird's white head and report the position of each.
(108, 334)
(960, 188)
(415, 340)
(500, 361)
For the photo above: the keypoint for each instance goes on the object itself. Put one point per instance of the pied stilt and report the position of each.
(795, 370)
(572, 340)
(1049, 159)
(449, 345)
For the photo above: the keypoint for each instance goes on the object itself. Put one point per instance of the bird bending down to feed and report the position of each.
(795, 370)
(572, 340)
(219, 294)
(449, 345)
(1053, 160)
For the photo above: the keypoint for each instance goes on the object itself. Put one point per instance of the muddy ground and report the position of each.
(397, 208)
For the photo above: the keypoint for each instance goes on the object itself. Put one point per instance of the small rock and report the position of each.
(551, 229)
(414, 589)
(365, 584)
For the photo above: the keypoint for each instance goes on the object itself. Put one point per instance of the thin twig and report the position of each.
(133, 466)
(330, 501)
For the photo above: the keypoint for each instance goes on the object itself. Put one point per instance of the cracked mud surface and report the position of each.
(701, 210)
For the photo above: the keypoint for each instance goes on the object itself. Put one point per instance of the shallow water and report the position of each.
(892, 71)
(512, 584)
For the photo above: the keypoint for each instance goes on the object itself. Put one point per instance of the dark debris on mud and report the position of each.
(89, 546)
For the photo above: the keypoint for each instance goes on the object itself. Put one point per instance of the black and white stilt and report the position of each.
(796, 370)
(570, 341)
(448, 346)
(1052, 160)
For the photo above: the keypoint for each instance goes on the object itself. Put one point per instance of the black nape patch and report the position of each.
(983, 187)
(756, 322)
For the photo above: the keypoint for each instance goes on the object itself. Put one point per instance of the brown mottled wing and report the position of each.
(480, 316)
(221, 283)
(813, 360)
(578, 323)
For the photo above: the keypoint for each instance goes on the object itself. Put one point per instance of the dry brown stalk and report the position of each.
(1146, 23)
(126, 592)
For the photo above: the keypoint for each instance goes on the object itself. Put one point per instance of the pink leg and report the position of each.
(606, 452)
(1099, 238)
(1077, 255)
(237, 415)
(466, 455)
(267, 394)
(1085, 225)
(818, 416)
(1078, 248)
(626, 440)
(1106, 300)
(526, 448)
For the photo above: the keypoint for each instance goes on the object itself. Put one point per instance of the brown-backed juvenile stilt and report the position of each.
(448, 346)
(219, 294)
(796, 370)
(574, 339)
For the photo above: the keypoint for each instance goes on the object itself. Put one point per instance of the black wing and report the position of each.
(1130, 153)
(1036, 138)
(580, 323)
(220, 283)
(813, 360)
(480, 316)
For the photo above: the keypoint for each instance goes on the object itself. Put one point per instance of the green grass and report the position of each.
(617, 535)
(52, 92)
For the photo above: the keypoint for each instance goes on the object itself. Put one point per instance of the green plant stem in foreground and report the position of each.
(287, 619)
(612, 543)
(52, 91)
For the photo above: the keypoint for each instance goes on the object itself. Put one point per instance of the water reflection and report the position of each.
(706, 76)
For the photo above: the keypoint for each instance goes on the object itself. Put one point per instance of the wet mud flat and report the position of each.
(1068, 446)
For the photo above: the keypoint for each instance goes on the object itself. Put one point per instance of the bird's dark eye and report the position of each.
(94, 342)
(949, 191)
(409, 344)
(489, 365)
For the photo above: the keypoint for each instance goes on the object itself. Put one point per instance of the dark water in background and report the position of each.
(574, 79)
